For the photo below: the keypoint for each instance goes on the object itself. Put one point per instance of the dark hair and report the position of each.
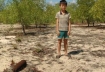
(63, 2)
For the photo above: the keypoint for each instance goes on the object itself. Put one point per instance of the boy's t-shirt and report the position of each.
(63, 20)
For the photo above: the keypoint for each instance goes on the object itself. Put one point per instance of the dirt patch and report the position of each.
(41, 52)
(98, 53)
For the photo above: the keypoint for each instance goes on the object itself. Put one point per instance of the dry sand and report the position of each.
(86, 46)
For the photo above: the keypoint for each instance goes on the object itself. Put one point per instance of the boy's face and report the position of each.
(63, 7)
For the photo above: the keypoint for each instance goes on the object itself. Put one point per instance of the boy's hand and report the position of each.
(58, 33)
(68, 33)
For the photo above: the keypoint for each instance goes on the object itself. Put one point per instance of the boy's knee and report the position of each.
(65, 41)
(59, 41)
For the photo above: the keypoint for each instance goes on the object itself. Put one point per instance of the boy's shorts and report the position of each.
(63, 34)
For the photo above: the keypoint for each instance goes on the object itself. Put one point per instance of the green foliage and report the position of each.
(49, 14)
(38, 50)
(98, 10)
(72, 10)
(18, 40)
(26, 12)
(1, 4)
(1, 9)
(83, 9)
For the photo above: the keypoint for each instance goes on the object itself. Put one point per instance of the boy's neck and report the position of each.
(63, 11)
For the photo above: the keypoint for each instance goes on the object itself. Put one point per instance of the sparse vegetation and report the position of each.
(38, 12)
(39, 45)
(15, 46)
(38, 50)
(41, 52)
(18, 40)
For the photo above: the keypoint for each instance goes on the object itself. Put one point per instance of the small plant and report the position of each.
(41, 52)
(12, 63)
(39, 45)
(38, 50)
(3, 51)
(10, 29)
(18, 40)
(15, 46)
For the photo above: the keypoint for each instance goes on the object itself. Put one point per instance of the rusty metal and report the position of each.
(19, 66)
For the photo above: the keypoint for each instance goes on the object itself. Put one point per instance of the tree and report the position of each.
(1, 9)
(83, 9)
(72, 7)
(1, 4)
(98, 10)
(49, 14)
(24, 12)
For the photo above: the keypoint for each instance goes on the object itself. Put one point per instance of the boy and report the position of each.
(63, 26)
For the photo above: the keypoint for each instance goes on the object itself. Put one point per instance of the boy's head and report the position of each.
(63, 4)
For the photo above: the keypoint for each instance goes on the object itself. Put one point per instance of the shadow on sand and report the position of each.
(94, 27)
(75, 52)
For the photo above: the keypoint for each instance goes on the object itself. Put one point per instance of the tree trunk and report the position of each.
(45, 25)
(40, 27)
(93, 23)
(36, 25)
(82, 21)
(23, 28)
(26, 26)
(88, 22)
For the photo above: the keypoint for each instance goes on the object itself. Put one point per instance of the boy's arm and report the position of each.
(57, 25)
(69, 29)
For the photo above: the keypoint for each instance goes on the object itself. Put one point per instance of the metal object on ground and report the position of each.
(19, 66)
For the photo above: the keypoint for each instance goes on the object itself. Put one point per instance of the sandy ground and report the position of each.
(86, 46)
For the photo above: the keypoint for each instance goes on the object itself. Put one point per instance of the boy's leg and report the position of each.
(65, 46)
(66, 42)
(59, 46)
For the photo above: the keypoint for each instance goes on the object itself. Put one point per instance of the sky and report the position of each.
(57, 1)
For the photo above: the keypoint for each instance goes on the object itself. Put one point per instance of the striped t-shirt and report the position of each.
(63, 20)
